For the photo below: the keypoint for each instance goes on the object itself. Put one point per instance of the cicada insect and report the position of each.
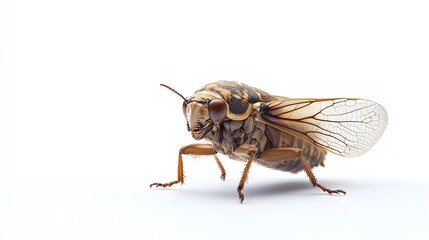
(287, 134)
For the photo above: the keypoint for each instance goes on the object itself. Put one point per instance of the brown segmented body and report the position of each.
(232, 133)
(279, 139)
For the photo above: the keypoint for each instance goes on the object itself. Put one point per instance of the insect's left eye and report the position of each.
(217, 110)
(184, 108)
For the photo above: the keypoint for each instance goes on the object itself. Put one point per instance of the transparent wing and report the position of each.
(347, 127)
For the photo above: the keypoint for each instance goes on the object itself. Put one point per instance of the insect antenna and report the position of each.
(176, 92)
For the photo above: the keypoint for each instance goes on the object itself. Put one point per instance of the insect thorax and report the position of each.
(233, 133)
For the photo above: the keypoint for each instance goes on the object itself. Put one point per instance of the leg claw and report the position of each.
(240, 196)
(222, 177)
(157, 185)
(329, 190)
(164, 185)
(336, 191)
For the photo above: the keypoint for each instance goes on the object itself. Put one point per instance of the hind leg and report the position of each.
(277, 154)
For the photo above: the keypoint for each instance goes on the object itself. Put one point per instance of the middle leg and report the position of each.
(249, 151)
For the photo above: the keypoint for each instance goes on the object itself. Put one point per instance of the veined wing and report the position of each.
(345, 126)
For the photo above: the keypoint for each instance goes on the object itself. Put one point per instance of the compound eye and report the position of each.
(217, 110)
(184, 108)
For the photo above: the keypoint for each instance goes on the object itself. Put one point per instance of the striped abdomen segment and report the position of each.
(279, 139)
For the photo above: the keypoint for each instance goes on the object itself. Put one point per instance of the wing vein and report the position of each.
(345, 126)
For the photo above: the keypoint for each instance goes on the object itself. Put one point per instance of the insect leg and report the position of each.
(197, 149)
(277, 154)
(250, 151)
(222, 169)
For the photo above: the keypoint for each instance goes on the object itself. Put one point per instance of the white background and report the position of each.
(85, 127)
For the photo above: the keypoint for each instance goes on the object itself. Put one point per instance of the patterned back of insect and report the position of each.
(239, 97)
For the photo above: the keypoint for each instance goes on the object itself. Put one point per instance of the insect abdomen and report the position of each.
(279, 139)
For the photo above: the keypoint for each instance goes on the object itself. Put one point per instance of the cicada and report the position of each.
(287, 134)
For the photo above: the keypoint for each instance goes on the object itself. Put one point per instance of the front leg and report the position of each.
(249, 151)
(196, 149)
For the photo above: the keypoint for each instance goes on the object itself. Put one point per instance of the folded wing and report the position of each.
(344, 126)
